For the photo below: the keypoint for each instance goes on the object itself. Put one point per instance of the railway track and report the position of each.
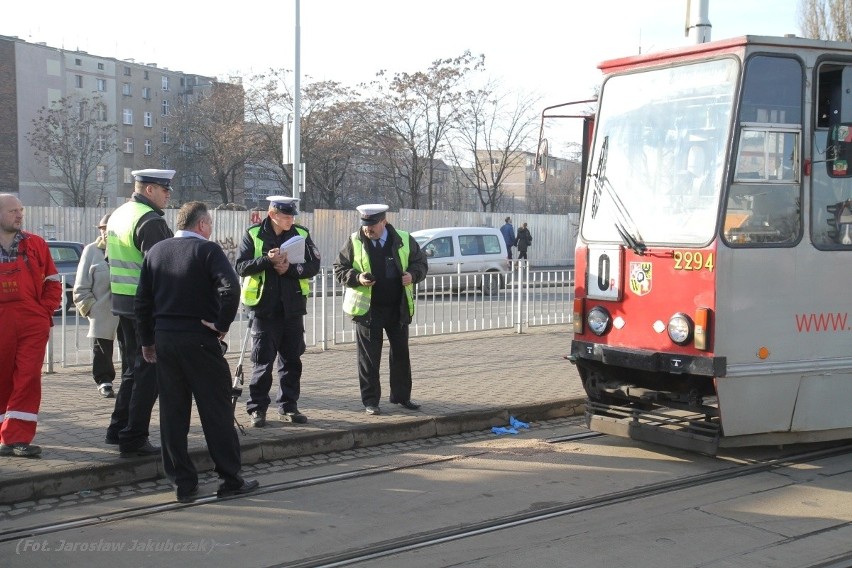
(395, 546)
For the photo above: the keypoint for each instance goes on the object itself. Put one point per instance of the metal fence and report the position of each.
(458, 303)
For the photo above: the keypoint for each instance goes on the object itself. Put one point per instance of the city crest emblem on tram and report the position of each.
(640, 278)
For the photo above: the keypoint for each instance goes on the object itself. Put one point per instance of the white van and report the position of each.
(466, 250)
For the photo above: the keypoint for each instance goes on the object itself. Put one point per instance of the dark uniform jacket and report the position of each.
(281, 295)
(418, 267)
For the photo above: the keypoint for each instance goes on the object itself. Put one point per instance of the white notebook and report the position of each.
(294, 247)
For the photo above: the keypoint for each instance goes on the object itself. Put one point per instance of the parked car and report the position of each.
(66, 256)
(466, 250)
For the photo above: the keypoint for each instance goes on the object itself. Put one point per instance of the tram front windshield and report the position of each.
(656, 171)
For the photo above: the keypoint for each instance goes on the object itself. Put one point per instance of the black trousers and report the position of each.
(369, 337)
(281, 340)
(103, 369)
(191, 364)
(522, 253)
(135, 400)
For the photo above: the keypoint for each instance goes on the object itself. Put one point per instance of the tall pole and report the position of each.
(297, 101)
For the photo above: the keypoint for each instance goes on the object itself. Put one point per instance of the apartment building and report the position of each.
(137, 97)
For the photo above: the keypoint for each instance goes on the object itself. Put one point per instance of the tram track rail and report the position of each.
(397, 546)
(441, 535)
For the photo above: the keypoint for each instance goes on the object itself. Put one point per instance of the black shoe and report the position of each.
(372, 410)
(106, 390)
(111, 439)
(145, 449)
(186, 496)
(258, 419)
(409, 404)
(20, 450)
(246, 487)
(295, 416)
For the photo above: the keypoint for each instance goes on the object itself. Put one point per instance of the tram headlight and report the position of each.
(680, 328)
(599, 320)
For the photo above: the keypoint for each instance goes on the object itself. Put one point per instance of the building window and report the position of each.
(149, 147)
(102, 85)
(165, 83)
(100, 173)
(101, 142)
(128, 116)
(145, 75)
(78, 61)
(165, 108)
(102, 113)
(81, 110)
(146, 93)
(128, 177)
(78, 81)
(100, 66)
(128, 145)
(148, 119)
(126, 71)
(125, 89)
(165, 135)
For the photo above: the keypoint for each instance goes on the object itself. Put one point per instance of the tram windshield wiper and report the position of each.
(623, 221)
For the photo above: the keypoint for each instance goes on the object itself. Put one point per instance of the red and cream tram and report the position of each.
(714, 245)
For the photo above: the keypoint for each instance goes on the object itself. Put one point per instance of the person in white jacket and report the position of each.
(93, 300)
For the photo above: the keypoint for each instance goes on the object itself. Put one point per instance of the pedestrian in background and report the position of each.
(524, 241)
(93, 299)
(380, 265)
(508, 235)
(132, 230)
(30, 291)
(187, 298)
(276, 292)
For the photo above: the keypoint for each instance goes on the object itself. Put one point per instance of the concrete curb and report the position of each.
(98, 476)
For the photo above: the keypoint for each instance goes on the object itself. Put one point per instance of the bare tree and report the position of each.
(411, 116)
(493, 131)
(214, 142)
(826, 19)
(73, 139)
(331, 134)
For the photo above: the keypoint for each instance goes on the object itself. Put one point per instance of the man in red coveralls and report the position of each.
(30, 291)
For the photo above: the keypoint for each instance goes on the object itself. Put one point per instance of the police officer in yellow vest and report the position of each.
(276, 291)
(132, 230)
(379, 265)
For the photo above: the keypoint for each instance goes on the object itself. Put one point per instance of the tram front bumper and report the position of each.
(657, 362)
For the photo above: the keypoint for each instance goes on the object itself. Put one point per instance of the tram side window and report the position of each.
(831, 180)
(764, 200)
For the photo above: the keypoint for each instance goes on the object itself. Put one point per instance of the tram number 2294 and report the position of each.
(604, 273)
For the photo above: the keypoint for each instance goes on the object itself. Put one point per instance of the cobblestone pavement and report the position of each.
(466, 382)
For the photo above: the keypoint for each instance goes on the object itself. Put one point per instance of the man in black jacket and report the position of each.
(187, 298)
(276, 291)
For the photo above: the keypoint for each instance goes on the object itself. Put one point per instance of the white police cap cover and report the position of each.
(159, 177)
(288, 205)
(372, 213)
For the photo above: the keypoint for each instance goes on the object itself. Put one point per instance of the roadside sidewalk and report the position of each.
(465, 382)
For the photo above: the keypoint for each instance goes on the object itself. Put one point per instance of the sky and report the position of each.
(547, 48)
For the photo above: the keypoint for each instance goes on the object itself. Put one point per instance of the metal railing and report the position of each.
(444, 304)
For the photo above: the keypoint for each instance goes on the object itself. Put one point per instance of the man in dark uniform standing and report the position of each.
(379, 265)
(132, 230)
(187, 298)
(276, 291)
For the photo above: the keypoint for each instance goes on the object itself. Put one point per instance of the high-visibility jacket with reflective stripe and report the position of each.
(356, 301)
(252, 286)
(125, 260)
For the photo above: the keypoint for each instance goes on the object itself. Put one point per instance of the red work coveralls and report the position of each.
(27, 302)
